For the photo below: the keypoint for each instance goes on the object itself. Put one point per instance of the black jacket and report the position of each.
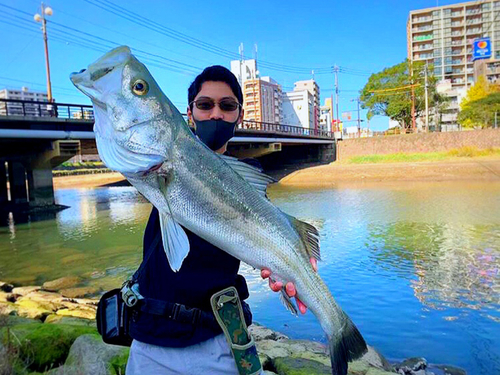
(205, 271)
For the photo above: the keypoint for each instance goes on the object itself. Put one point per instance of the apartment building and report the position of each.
(443, 37)
(262, 96)
(26, 95)
(313, 88)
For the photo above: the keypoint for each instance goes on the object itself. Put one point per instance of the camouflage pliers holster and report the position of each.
(227, 309)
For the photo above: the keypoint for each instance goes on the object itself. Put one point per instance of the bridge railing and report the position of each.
(14, 107)
(284, 129)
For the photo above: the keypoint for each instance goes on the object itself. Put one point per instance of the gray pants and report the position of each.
(208, 357)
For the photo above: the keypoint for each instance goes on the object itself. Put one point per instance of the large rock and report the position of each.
(77, 313)
(4, 287)
(79, 292)
(300, 366)
(23, 290)
(32, 309)
(411, 366)
(62, 283)
(61, 319)
(263, 333)
(375, 359)
(89, 355)
(48, 300)
(294, 348)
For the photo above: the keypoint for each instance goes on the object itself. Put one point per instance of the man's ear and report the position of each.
(242, 115)
(190, 116)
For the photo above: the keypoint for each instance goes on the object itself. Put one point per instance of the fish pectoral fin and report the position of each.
(287, 301)
(175, 241)
(309, 236)
(250, 174)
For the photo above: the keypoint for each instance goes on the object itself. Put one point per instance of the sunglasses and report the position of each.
(226, 105)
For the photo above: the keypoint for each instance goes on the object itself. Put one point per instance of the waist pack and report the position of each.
(114, 313)
(113, 319)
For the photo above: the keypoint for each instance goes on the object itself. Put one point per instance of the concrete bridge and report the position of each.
(35, 137)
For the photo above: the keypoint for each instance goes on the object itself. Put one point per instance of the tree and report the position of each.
(479, 113)
(481, 89)
(388, 93)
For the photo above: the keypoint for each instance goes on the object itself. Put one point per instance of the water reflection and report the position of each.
(450, 265)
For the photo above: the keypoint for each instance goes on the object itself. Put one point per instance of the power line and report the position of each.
(396, 88)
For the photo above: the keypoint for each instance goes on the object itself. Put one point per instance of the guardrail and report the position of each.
(12, 107)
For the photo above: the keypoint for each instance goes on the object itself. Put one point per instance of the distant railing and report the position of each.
(12, 107)
(285, 129)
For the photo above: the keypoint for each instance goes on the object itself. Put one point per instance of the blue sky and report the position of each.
(292, 36)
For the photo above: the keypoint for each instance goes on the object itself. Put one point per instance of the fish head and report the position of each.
(128, 104)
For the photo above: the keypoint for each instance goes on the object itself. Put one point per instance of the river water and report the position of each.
(415, 265)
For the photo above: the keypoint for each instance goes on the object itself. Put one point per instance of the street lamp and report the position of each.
(46, 11)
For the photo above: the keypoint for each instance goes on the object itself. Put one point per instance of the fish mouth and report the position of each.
(85, 80)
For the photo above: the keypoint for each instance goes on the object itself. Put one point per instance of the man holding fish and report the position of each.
(211, 212)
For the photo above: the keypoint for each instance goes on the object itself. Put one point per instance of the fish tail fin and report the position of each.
(345, 348)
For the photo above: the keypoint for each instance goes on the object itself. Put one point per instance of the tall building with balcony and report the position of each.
(442, 36)
(262, 96)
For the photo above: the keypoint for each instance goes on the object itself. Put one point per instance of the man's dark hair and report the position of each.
(216, 73)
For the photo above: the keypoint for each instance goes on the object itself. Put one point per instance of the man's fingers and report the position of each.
(265, 273)
(275, 285)
(301, 306)
(290, 289)
(314, 263)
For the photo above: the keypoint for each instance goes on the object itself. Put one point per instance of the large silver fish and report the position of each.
(141, 134)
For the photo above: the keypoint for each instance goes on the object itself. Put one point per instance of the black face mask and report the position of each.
(215, 133)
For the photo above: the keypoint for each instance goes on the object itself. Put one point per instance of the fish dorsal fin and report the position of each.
(309, 236)
(175, 241)
(251, 174)
(287, 301)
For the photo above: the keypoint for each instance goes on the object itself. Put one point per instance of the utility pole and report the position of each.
(413, 123)
(359, 120)
(496, 119)
(241, 64)
(426, 100)
(336, 71)
(41, 18)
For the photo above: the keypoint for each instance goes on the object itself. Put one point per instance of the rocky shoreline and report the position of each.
(44, 331)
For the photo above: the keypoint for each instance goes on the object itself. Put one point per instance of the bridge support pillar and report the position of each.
(40, 186)
(4, 198)
(327, 153)
(17, 183)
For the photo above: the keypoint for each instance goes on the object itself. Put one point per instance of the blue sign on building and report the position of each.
(481, 49)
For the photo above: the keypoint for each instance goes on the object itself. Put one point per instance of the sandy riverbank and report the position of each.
(476, 169)
(87, 180)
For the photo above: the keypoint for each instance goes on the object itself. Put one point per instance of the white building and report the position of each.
(244, 70)
(298, 108)
(313, 88)
(23, 94)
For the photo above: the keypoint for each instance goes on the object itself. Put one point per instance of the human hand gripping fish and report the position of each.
(141, 134)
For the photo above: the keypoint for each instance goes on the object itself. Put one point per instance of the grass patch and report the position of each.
(402, 157)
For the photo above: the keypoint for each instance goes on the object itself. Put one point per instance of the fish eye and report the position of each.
(140, 87)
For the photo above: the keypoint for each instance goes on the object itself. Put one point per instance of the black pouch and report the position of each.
(113, 318)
